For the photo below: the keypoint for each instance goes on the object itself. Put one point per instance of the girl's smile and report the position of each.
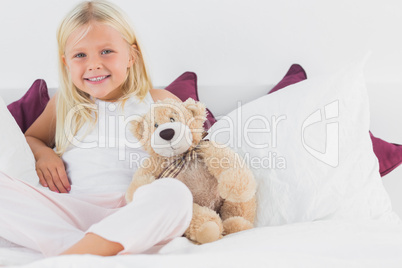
(97, 58)
(97, 79)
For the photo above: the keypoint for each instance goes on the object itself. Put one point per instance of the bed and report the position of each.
(311, 210)
(315, 117)
(318, 244)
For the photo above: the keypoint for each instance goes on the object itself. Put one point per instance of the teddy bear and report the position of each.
(223, 187)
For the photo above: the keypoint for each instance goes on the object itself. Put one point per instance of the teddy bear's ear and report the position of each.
(137, 127)
(197, 108)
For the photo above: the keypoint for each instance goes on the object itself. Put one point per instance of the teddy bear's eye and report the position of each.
(156, 125)
(172, 119)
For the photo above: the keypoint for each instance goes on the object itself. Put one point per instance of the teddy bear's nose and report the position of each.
(167, 134)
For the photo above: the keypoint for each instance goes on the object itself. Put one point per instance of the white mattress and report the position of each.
(315, 244)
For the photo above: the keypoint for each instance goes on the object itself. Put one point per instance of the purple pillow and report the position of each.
(294, 75)
(389, 154)
(31, 105)
(184, 87)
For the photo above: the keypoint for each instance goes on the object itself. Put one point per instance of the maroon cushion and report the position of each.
(389, 154)
(184, 87)
(31, 105)
(295, 74)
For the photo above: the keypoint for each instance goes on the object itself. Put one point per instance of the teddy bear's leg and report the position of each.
(238, 216)
(243, 209)
(236, 224)
(206, 225)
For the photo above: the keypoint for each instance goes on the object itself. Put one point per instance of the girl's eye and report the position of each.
(172, 119)
(156, 125)
(106, 51)
(79, 55)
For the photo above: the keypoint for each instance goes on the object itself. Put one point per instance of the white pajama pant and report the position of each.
(52, 222)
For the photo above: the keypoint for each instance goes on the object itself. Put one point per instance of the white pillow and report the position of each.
(16, 158)
(309, 148)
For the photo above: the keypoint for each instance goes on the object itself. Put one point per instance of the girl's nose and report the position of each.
(94, 64)
(94, 67)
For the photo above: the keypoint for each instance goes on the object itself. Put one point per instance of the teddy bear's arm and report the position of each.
(146, 174)
(236, 182)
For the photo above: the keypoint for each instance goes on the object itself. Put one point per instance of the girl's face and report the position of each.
(97, 58)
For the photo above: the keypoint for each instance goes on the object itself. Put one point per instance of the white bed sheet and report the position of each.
(315, 244)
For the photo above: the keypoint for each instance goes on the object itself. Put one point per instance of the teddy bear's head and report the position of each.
(171, 127)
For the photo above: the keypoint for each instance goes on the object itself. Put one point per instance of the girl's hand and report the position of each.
(41, 138)
(51, 171)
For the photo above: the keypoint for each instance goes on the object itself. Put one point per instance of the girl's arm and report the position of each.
(161, 94)
(41, 138)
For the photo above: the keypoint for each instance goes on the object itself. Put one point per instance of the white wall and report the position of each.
(224, 41)
(232, 43)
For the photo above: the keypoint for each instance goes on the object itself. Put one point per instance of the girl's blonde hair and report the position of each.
(75, 107)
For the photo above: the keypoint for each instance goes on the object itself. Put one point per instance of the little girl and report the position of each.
(101, 66)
